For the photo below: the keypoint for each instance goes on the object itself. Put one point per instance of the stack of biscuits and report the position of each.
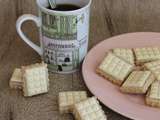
(81, 106)
(32, 79)
(135, 70)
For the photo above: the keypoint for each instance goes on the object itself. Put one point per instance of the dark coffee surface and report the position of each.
(65, 7)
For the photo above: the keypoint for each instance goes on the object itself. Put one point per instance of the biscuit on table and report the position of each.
(146, 54)
(153, 95)
(154, 67)
(138, 82)
(124, 53)
(114, 68)
(16, 79)
(89, 109)
(68, 99)
(35, 79)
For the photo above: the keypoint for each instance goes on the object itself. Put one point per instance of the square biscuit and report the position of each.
(114, 68)
(138, 82)
(146, 54)
(35, 79)
(89, 109)
(16, 79)
(124, 53)
(154, 67)
(68, 99)
(153, 95)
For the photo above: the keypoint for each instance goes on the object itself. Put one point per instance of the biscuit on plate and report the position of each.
(154, 67)
(68, 99)
(35, 79)
(114, 68)
(124, 53)
(138, 82)
(146, 54)
(16, 79)
(153, 95)
(89, 109)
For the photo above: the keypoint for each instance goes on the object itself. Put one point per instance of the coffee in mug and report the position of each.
(65, 7)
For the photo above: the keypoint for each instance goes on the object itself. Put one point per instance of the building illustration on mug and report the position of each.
(59, 27)
(62, 28)
(62, 61)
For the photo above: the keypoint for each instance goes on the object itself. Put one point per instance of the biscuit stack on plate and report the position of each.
(114, 68)
(153, 95)
(32, 79)
(135, 70)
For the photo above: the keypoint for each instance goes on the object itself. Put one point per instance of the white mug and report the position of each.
(63, 34)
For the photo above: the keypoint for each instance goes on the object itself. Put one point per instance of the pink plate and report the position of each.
(131, 106)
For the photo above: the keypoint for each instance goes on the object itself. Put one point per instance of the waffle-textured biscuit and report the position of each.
(153, 95)
(16, 79)
(138, 82)
(68, 99)
(114, 68)
(89, 109)
(147, 54)
(124, 53)
(35, 79)
(154, 67)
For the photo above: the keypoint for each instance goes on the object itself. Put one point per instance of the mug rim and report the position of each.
(63, 12)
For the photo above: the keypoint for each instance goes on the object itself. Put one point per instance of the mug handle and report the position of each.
(19, 23)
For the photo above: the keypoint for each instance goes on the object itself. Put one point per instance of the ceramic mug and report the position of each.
(63, 34)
